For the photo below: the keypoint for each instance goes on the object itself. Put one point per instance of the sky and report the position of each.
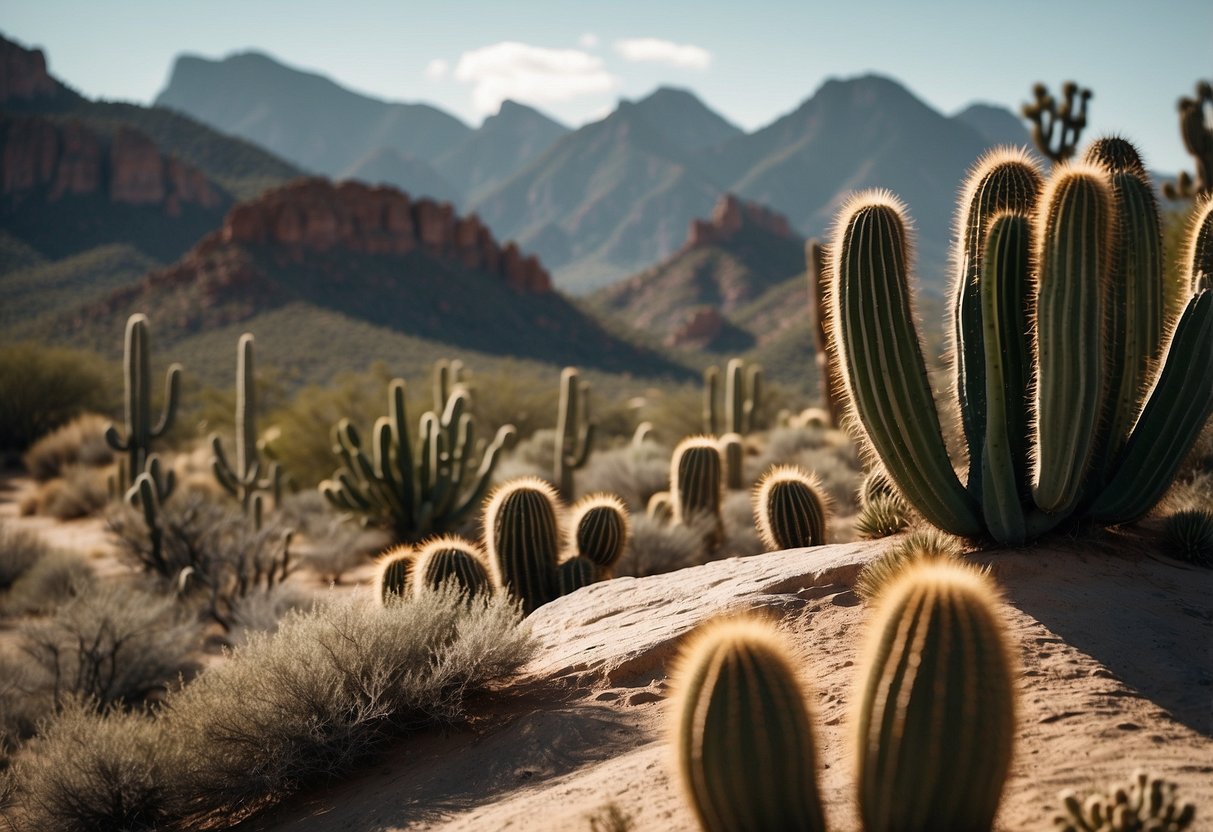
(750, 61)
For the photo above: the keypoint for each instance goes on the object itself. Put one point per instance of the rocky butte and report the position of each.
(730, 217)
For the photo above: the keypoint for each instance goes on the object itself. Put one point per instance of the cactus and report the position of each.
(696, 481)
(599, 530)
(1147, 803)
(925, 544)
(936, 720)
(881, 516)
(828, 381)
(877, 483)
(1196, 130)
(789, 509)
(522, 522)
(574, 430)
(732, 456)
(1200, 247)
(137, 375)
(660, 508)
(393, 574)
(1050, 289)
(744, 742)
(244, 480)
(451, 558)
(742, 397)
(414, 498)
(446, 374)
(151, 488)
(573, 574)
(1046, 115)
(1189, 535)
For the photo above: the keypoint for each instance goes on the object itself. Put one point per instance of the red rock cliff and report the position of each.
(23, 75)
(732, 215)
(319, 215)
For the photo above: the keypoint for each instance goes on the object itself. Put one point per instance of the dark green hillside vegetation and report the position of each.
(43, 287)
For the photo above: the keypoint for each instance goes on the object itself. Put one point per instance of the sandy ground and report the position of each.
(1116, 653)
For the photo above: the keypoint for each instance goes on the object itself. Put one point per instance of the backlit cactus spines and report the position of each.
(935, 726)
(244, 480)
(522, 536)
(1002, 180)
(732, 456)
(1047, 115)
(1073, 247)
(451, 558)
(881, 360)
(743, 736)
(660, 508)
(599, 528)
(696, 482)
(575, 573)
(137, 376)
(394, 574)
(789, 509)
(828, 382)
(877, 483)
(1197, 136)
(574, 430)
(1200, 246)
(447, 374)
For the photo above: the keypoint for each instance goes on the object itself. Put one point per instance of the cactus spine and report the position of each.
(451, 558)
(1200, 247)
(522, 536)
(696, 479)
(789, 509)
(574, 430)
(393, 574)
(1047, 115)
(414, 499)
(936, 723)
(140, 431)
(244, 480)
(600, 527)
(828, 381)
(744, 742)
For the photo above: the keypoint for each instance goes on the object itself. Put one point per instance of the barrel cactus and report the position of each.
(522, 522)
(790, 509)
(1041, 292)
(599, 528)
(936, 719)
(744, 744)
(573, 574)
(393, 574)
(451, 558)
(697, 482)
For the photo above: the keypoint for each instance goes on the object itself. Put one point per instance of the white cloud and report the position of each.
(684, 55)
(588, 41)
(437, 69)
(530, 74)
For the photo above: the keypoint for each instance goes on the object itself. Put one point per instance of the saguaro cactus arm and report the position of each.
(574, 430)
(243, 479)
(1047, 116)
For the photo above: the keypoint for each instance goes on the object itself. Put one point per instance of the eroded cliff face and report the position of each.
(52, 160)
(316, 215)
(23, 75)
(731, 216)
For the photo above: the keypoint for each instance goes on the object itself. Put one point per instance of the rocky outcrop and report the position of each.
(701, 327)
(23, 75)
(55, 160)
(316, 215)
(730, 217)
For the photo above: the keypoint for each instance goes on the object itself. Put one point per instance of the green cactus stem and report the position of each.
(451, 558)
(744, 741)
(1200, 247)
(244, 480)
(599, 530)
(790, 509)
(150, 489)
(137, 375)
(742, 398)
(828, 382)
(1057, 126)
(393, 574)
(1196, 130)
(696, 482)
(732, 455)
(522, 533)
(575, 573)
(936, 719)
(574, 430)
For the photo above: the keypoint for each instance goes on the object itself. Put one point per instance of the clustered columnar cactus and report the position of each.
(414, 494)
(1045, 115)
(744, 743)
(1070, 409)
(742, 397)
(696, 481)
(522, 536)
(140, 431)
(451, 558)
(936, 719)
(394, 573)
(789, 509)
(1197, 133)
(599, 530)
(732, 456)
(1147, 804)
(244, 480)
(827, 366)
(574, 430)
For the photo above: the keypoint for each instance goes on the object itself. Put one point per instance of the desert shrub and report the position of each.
(262, 612)
(44, 387)
(740, 534)
(924, 544)
(329, 686)
(79, 442)
(657, 547)
(111, 644)
(326, 542)
(534, 456)
(90, 771)
(53, 579)
(632, 472)
(19, 550)
(23, 701)
(80, 492)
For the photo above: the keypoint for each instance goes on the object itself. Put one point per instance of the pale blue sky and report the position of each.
(751, 61)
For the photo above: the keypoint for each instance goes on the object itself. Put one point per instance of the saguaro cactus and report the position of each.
(1048, 287)
(936, 720)
(1047, 115)
(522, 525)
(140, 430)
(819, 316)
(789, 509)
(1196, 129)
(574, 430)
(244, 479)
(414, 496)
(151, 488)
(745, 751)
(742, 398)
